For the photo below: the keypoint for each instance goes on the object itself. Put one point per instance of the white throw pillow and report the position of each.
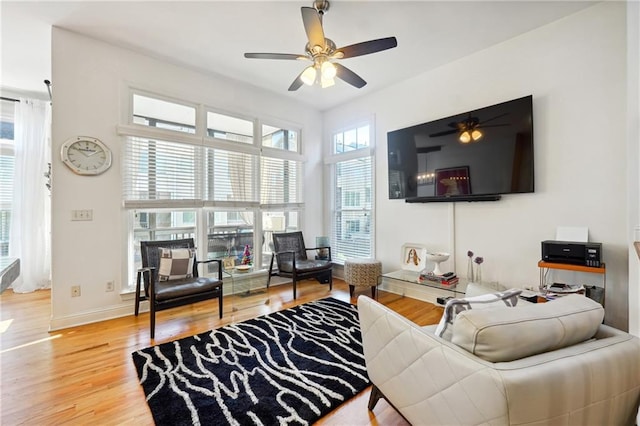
(455, 306)
(176, 263)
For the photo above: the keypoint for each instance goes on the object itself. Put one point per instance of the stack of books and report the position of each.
(447, 279)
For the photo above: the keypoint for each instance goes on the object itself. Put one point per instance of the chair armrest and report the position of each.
(219, 261)
(145, 274)
(321, 247)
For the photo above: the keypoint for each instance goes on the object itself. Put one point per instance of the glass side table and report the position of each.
(456, 290)
(248, 287)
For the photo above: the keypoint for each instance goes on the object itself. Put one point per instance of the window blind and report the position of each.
(280, 181)
(230, 176)
(352, 210)
(6, 181)
(156, 170)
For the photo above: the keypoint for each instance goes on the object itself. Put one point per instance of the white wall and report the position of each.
(575, 69)
(91, 81)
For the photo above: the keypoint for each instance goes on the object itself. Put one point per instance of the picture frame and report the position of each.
(453, 181)
(414, 257)
(228, 263)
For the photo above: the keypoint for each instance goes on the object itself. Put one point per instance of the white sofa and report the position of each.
(432, 381)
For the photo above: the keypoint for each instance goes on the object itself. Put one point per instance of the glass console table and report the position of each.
(456, 290)
(248, 288)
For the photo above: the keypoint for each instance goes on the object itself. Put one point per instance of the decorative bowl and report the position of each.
(243, 268)
(437, 258)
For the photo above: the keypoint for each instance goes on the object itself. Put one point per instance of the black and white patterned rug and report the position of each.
(288, 367)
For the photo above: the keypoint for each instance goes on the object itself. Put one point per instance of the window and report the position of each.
(218, 188)
(149, 225)
(7, 115)
(160, 170)
(230, 176)
(276, 221)
(235, 129)
(228, 232)
(280, 181)
(275, 137)
(163, 114)
(351, 139)
(351, 199)
(352, 189)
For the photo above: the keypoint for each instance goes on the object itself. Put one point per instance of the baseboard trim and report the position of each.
(84, 318)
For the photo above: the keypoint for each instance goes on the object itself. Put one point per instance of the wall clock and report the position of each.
(86, 156)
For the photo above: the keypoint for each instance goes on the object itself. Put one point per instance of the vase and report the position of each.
(470, 271)
(478, 273)
(323, 252)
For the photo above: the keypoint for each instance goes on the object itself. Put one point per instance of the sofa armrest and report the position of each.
(427, 381)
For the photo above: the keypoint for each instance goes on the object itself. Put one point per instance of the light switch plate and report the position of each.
(82, 214)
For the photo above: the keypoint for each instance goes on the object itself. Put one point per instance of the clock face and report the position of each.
(86, 156)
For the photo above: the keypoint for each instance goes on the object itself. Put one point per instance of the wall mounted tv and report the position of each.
(474, 156)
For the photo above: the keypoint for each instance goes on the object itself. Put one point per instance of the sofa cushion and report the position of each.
(482, 301)
(500, 334)
(176, 263)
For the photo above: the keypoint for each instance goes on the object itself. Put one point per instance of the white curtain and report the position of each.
(30, 233)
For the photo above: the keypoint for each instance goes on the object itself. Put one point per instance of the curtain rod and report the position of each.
(9, 99)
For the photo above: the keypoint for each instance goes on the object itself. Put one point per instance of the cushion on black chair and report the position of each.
(166, 290)
(176, 263)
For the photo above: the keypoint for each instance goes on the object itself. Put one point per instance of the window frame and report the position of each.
(332, 159)
(202, 207)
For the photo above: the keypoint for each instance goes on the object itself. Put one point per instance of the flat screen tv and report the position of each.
(472, 156)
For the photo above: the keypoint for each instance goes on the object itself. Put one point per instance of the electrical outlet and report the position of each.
(110, 286)
(75, 291)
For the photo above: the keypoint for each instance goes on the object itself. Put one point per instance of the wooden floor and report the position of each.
(84, 375)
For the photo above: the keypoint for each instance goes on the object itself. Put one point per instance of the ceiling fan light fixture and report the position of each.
(465, 137)
(476, 134)
(308, 76)
(326, 82)
(322, 51)
(328, 70)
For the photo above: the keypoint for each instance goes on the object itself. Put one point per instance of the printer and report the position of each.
(572, 252)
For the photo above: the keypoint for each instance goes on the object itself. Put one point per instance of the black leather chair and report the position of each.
(292, 262)
(170, 293)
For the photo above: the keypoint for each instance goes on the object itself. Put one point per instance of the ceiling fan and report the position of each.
(469, 129)
(322, 52)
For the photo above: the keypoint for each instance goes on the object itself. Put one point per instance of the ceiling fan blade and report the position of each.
(297, 83)
(446, 132)
(349, 76)
(313, 26)
(367, 47)
(274, 56)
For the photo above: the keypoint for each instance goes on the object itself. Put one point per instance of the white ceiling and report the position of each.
(212, 36)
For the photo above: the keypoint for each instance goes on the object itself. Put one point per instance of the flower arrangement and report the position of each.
(471, 275)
